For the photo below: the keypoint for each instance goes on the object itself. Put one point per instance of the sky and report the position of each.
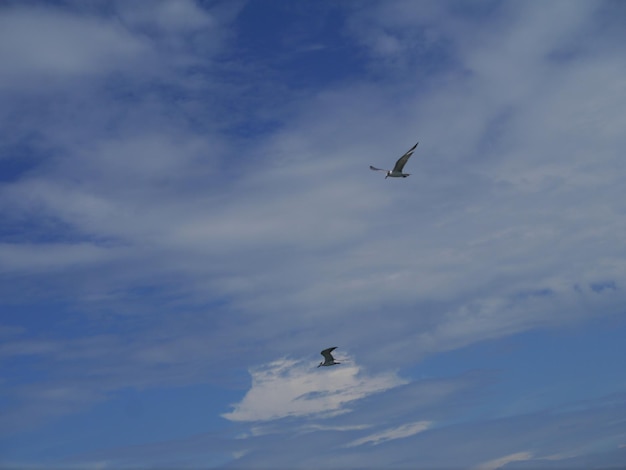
(188, 218)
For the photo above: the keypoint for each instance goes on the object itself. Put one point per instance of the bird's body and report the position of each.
(329, 360)
(399, 166)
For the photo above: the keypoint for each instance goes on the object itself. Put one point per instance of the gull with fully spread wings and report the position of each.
(397, 170)
(329, 360)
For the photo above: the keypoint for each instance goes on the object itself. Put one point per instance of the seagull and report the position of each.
(329, 360)
(397, 170)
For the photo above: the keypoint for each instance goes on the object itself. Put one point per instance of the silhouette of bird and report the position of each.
(397, 169)
(329, 360)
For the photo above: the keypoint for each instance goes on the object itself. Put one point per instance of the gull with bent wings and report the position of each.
(397, 169)
(329, 360)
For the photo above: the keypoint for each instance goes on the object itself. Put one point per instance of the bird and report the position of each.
(397, 169)
(329, 360)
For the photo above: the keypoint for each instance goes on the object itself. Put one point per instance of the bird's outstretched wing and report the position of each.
(327, 353)
(376, 169)
(403, 159)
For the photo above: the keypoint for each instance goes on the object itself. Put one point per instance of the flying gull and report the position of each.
(397, 170)
(329, 360)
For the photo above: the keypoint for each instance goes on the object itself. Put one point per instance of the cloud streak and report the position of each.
(502, 461)
(399, 432)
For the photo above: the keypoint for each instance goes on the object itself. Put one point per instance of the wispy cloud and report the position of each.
(322, 427)
(502, 461)
(294, 388)
(399, 432)
(44, 47)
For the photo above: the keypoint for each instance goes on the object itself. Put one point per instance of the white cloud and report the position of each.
(177, 16)
(294, 388)
(399, 432)
(39, 44)
(502, 461)
(349, 427)
(47, 48)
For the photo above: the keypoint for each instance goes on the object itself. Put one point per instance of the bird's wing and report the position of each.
(327, 353)
(403, 159)
(376, 169)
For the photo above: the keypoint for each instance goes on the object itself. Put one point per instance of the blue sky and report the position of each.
(188, 218)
